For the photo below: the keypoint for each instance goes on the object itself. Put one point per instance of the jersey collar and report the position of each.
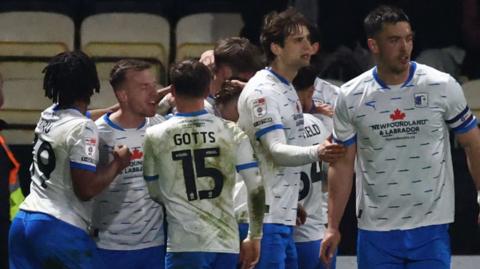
(278, 76)
(192, 114)
(56, 107)
(411, 72)
(112, 124)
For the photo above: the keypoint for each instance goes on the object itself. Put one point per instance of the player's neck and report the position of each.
(215, 85)
(283, 70)
(126, 120)
(390, 77)
(190, 105)
(78, 105)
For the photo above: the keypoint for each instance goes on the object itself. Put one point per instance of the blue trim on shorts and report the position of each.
(308, 255)
(146, 258)
(37, 239)
(278, 247)
(425, 247)
(212, 260)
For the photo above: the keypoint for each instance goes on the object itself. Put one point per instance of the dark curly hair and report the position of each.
(70, 76)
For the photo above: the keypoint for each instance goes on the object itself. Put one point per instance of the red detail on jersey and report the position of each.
(91, 141)
(136, 154)
(397, 115)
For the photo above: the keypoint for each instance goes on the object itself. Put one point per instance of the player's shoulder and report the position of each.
(323, 85)
(425, 75)
(310, 119)
(102, 122)
(159, 128)
(235, 131)
(156, 119)
(359, 82)
(77, 120)
(263, 83)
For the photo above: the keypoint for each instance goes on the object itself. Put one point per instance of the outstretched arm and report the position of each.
(283, 154)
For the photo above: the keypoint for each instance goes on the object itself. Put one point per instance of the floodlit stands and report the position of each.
(27, 42)
(197, 33)
(109, 37)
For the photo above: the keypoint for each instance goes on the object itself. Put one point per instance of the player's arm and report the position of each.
(283, 154)
(464, 124)
(149, 172)
(247, 167)
(95, 114)
(340, 175)
(87, 179)
(470, 141)
(87, 183)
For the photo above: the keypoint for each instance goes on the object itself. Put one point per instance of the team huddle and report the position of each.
(234, 165)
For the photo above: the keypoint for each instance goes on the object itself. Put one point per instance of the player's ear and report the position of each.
(206, 92)
(315, 48)
(372, 45)
(275, 48)
(121, 95)
(173, 90)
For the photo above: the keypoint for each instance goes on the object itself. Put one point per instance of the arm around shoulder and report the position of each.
(87, 184)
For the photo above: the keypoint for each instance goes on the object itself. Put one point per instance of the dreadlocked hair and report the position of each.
(69, 77)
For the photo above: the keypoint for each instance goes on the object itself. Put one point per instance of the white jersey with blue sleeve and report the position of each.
(267, 103)
(404, 167)
(190, 166)
(312, 195)
(124, 215)
(325, 93)
(64, 139)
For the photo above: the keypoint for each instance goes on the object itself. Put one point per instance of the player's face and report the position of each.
(393, 46)
(229, 110)
(305, 98)
(141, 91)
(297, 49)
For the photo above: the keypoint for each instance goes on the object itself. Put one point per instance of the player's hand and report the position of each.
(238, 83)
(249, 253)
(162, 92)
(207, 58)
(324, 109)
(301, 215)
(329, 152)
(329, 245)
(170, 99)
(121, 154)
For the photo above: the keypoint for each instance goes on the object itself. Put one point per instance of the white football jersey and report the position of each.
(64, 139)
(190, 162)
(269, 102)
(312, 196)
(325, 93)
(404, 167)
(125, 216)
